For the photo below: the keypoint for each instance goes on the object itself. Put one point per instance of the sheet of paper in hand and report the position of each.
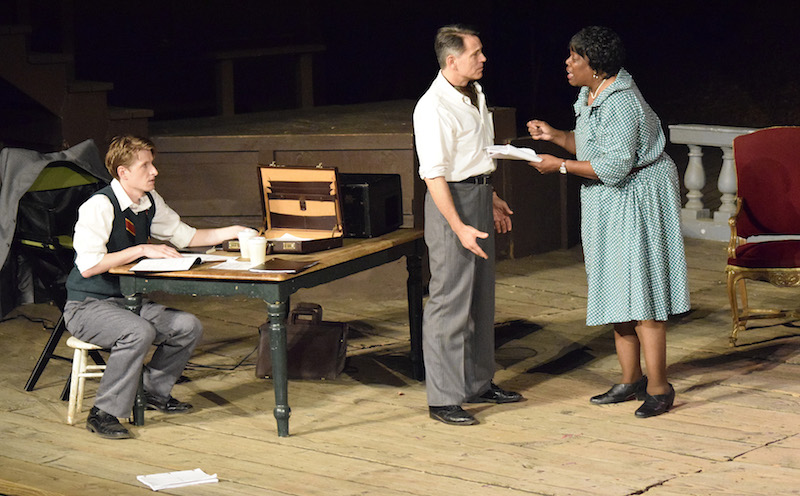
(511, 152)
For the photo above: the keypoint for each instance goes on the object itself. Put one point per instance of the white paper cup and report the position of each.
(244, 236)
(258, 249)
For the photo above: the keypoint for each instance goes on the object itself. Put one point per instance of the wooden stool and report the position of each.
(81, 370)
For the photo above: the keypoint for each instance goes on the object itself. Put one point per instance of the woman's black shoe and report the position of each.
(656, 404)
(622, 392)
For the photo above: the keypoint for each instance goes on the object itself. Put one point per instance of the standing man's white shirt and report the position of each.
(443, 117)
(96, 215)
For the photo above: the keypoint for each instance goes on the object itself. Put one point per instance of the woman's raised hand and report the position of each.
(540, 130)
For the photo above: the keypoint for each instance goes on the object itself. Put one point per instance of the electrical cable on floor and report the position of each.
(46, 323)
(194, 366)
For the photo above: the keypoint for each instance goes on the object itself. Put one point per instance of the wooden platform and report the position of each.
(208, 166)
(735, 429)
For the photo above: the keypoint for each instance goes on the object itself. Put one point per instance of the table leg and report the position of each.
(139, 403)
(414, 291)
(277, 348)
(134, 304)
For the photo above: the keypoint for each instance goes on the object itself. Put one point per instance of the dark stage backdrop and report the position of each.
(714, 62)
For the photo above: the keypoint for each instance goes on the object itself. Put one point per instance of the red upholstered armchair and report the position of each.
(768, 203)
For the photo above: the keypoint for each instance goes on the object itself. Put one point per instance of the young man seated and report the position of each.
(114, 228)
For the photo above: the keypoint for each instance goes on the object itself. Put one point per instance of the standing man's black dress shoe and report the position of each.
(106, 425)
(622, 392)
(496, 395)
(452, 415)
(171, 405)
(656, 404)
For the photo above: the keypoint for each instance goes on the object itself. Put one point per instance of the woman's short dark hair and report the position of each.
(601, 46)
(450, 41)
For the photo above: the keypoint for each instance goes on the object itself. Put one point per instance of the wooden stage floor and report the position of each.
(735, 428)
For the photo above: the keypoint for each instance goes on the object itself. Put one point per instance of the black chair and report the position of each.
(45, 220)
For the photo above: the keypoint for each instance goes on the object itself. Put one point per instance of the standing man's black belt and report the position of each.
(482, 179)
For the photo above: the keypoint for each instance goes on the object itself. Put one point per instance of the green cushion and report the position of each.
(60, 175)
(64, 240)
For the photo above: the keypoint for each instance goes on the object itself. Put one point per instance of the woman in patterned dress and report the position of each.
(630, 215)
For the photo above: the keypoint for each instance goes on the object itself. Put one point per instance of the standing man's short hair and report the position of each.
(123, 150)
(450, 41)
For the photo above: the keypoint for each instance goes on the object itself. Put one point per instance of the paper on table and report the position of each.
(513, 153)
(170, 480)
(166, 264)
(232, 263)
(289, 237)
(174, 264)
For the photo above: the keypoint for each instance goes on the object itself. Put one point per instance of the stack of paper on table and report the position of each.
(170, 480)
(511, 152)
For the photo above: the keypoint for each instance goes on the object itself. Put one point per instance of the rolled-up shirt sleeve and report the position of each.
(434, 142)
(167, 224)
(92, 231)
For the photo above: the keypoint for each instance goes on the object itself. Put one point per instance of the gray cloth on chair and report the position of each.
(19, 168)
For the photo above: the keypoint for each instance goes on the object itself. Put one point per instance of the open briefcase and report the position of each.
(302, 211)
(315, 349)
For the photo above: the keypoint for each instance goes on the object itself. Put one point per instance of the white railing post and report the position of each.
(695, 179)
(726, 184)
(696, 218)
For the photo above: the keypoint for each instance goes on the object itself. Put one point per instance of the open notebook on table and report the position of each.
(185, 262)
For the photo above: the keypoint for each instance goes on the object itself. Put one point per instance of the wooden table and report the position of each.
(275, 289)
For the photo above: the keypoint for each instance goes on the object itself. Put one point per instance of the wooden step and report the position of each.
(122, 113)
(43, 58)
(14, 29)
(81, 86)
(128, 121)
(49, 80)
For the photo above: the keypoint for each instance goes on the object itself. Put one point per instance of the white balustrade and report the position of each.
(696, 217)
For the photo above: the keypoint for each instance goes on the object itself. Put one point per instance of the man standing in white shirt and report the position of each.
(452, 128)
(114, 228)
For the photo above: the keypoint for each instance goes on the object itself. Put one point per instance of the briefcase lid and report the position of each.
(301, 199)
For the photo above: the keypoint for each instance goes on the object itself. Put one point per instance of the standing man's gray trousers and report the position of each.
(458, 321)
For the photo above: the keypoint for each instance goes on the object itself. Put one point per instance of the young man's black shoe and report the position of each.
(171, 405)
(106, 425)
